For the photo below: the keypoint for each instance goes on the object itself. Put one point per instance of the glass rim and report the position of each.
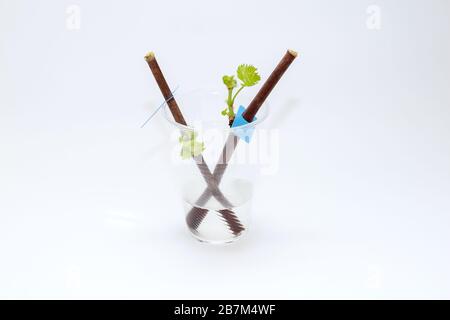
(260, 117)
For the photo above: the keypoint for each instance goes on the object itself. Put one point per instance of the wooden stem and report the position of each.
(164, 87)
(268, 86)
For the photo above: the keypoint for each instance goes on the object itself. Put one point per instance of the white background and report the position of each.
(358, 209)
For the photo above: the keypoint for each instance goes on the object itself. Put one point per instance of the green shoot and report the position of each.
(249, 76)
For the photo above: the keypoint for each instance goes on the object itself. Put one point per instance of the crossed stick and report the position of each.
(196, 215)
(212, 184)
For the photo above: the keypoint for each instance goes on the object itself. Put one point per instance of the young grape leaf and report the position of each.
(248, 74)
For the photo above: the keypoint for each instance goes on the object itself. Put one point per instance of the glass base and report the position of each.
(212, 223)
(231, 240)
(217, 226)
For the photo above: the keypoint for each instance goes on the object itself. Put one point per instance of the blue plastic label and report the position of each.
(243, 133)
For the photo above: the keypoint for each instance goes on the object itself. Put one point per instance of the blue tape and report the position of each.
(243, 133)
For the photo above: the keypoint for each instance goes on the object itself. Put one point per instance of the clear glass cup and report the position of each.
(216, 182)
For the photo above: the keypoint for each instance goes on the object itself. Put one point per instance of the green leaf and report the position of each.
(189, 146)
(229, 81)
(188, 136)
(192, 150)
(248, 74)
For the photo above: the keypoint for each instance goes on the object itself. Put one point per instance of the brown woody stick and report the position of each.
(268, 86)
(233, 222)
(164, 87)
(196, 215)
